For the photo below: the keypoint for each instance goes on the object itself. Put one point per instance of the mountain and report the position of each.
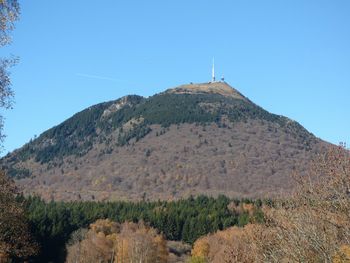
(193, 139)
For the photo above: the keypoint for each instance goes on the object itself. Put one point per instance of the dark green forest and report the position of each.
(186, 220)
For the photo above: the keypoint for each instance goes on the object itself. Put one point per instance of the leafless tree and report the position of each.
(312, 225)
(9, 14)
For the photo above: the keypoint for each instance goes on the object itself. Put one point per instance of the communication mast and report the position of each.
(213, 72)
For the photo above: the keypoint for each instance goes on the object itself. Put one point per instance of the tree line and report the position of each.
(186, 220)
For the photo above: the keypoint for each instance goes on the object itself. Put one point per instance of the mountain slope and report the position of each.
(198, 138)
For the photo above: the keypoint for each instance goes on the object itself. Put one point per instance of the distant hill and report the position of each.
(194, 139)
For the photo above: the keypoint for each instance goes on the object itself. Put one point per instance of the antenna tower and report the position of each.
(213, 72)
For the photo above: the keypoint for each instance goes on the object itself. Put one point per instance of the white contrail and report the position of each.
(97, 77)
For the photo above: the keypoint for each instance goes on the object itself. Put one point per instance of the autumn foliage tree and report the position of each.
(15, 238)
(107, 241)
(230, 245)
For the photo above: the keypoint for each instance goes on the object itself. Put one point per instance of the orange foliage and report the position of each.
(201, 248)
(107, 241)
(343, 255)
(230, 245)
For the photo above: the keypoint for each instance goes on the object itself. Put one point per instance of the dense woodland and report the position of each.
(184, 220)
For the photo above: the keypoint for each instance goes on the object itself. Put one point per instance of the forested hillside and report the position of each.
(193, 139)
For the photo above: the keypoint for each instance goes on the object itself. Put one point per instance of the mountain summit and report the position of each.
(193, 139)
(221, 88)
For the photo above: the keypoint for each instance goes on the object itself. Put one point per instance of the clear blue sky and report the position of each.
(291, 57)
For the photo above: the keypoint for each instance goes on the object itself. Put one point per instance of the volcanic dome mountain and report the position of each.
(193, 139)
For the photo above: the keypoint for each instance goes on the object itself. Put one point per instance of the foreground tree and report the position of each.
(311, 226)
(9, 14)
(314, 226)
(15, 238)
(107, 241)
(231, 245)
